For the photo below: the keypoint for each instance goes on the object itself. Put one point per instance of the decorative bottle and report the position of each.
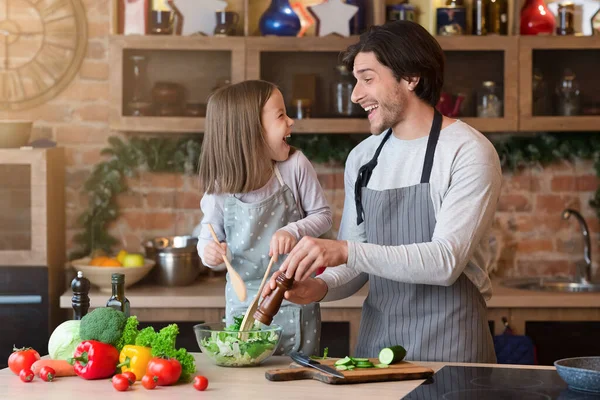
(279, 20)
(536, 18)
(118, 301)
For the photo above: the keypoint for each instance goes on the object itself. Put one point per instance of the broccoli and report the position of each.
(130, 332)
(104, 324)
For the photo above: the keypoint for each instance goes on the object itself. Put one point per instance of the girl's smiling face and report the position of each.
(277, 127)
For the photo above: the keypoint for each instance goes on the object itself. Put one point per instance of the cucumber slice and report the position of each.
(344, 361)
(341, 368)
(381, 366)
(369, 365)
(350, 368)
(358, 360)
(393, 354)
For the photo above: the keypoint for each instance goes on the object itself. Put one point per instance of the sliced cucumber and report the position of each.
(393, 354)
(344, 361)
(381, 366)
(361, 359)
(341, 367)
(350, 367)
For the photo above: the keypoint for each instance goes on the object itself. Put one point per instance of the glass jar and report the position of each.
(341, 91)
(541, 103)
(489, 101)
(568, 94)
(566, 13)
(301, 108)
(139, 79)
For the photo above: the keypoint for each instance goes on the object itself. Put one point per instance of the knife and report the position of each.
(307, 362)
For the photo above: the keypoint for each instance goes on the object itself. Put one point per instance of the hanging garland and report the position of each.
(126, 159)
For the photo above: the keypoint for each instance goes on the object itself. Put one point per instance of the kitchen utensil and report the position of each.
(307, 362)
(224, 348)
(248, 320)
(580, 373)
(395, 372)
(177, 261)
(101, 276)
(14, 134)
(236, 280)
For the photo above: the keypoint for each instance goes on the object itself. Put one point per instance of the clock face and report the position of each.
(42, 44)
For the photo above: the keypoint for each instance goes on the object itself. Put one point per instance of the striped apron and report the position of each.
(433, 323)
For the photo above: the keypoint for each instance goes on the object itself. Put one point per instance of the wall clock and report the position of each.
(42, 44)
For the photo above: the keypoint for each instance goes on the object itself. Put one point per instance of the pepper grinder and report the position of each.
(270, 304)
(80, 300)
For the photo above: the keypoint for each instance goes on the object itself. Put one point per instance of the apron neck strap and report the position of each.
(434, 135)
(278, 174)
(364, 174)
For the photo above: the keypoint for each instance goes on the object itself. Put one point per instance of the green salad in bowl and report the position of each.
(227, 346)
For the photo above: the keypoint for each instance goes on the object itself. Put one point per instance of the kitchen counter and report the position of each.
(209, 293)
(224, 383)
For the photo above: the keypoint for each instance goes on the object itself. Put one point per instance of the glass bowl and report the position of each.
(228, 348)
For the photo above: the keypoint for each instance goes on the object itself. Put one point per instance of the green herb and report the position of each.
(130, 333)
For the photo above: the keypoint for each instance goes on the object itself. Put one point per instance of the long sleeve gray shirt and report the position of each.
(465, 185)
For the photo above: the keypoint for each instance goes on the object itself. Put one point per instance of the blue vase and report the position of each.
(279, 20)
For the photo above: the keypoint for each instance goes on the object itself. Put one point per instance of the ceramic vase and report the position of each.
(279, 20)
(537, 19)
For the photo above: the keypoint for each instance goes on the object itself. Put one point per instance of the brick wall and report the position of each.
(529, 231)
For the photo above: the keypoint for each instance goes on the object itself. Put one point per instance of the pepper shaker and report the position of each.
(80, 300)
(271, 304)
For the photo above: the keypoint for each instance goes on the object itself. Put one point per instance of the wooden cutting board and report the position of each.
(395, 372)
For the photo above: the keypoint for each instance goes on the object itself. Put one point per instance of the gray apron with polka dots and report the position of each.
(248, 229)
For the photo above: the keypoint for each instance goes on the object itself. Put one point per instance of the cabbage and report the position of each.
(64, 340)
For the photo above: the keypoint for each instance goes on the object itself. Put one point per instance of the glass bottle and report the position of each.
(539, 94)
(497, 17)
(139, 79)
(536, 18)
(118, 301)
(271, 304)
(452, 18)
(341, 91)
(566, 12)
(568, 94)
(489, 101)
(479, 21)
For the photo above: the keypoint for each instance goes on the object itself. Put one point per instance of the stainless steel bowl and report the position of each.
(177, 261)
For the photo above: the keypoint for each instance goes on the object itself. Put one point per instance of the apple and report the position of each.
(133, 260)
(121, 256)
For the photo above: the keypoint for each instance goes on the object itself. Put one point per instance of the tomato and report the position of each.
(200, 382)
(149, 381)
(130, 376)
(168, 370)
(26, 375)
(47, 373)
(21, 359)
(120, 382)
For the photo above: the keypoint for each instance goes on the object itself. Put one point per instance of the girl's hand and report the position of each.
(213, 253)
(282, 242)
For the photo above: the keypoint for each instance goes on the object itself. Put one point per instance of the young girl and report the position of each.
(261, 197)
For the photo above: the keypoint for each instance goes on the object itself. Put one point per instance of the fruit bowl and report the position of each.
(226, 349)
(101, 276)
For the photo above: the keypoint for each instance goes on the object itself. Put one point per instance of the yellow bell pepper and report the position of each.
(135, 359)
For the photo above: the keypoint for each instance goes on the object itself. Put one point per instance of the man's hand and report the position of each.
(213, 253)
(305, 292)
(282, 242)
(310, 254)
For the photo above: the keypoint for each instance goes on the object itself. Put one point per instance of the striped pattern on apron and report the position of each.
(433, 323)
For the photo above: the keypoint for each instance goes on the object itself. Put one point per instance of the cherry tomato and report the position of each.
(120, 382)
(149, 381)
(26, 375)
(21, 359)
(47, 373)
(200, 382)
(168, 370)
(130, 376)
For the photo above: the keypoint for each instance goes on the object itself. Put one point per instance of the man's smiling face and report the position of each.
(379, 93)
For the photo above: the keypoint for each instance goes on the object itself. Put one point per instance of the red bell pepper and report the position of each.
(95, 360)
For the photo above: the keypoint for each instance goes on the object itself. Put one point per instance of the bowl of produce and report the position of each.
(580, 373)
(99, 269)
(227, 346)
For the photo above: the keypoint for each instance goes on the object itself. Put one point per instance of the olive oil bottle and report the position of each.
(118, 301)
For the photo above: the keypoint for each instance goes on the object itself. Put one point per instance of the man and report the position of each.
(420, 200)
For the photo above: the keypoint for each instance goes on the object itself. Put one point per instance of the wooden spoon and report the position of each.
(236, 280)
(248, 320)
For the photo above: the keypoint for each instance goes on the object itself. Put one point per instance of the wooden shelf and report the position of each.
(478, 43)
(169, 42)
(159, 124)
(331, 125)
(527, 43)
(559, 123)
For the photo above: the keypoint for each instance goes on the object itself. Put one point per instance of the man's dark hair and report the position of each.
(409, 51)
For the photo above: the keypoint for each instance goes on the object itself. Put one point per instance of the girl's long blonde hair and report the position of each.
(234, 157)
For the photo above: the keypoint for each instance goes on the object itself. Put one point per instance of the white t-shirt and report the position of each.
(465, 184)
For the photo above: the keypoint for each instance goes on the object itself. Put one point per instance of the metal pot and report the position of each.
(177, 261)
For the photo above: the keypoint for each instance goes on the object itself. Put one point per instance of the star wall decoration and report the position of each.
(333, 16)
(199, 15)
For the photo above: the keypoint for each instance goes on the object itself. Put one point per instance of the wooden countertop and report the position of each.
(209, 293)
(224, 383)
